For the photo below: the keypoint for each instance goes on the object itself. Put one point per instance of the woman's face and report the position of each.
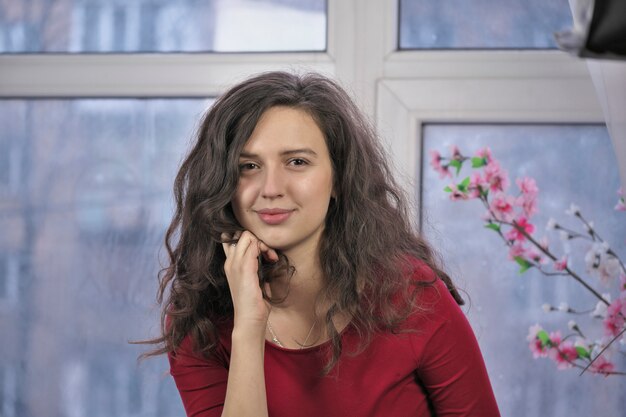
(285, 181)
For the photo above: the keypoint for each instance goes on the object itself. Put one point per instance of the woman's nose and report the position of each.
(273, 183)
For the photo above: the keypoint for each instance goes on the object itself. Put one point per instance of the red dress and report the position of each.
(437, 370)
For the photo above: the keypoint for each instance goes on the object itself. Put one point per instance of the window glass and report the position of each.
(481, 24)
(84, 234)
(571, 163)
(162, 26)
(4, 277)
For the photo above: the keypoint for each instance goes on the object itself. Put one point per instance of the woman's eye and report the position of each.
(247, 166)
(298, 162)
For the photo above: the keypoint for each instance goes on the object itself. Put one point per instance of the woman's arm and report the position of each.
(235, 386)
(245, 394)
(219, 385)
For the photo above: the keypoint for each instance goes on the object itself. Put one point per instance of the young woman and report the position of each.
(296, 284)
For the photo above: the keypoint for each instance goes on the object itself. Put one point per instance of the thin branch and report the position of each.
(604, 349)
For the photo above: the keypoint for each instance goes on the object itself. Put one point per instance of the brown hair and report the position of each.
(367, 244)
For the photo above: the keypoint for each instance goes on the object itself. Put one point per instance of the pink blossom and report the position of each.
(535, 345)
(602, 366)
(496, 177)
(456, 153)
(528, 203)
(515, 234)
(517, 250)
(477, 185)
(529, 254)
(435, 162)
(544, 243)
(527, 185)
(485, 153)
(535, 256)
(555, 338)
(561, 264)
(456, 194)
(528, 198)
(532, 332)
(502, 207)
(537, 349)
(614, 321)
(563, 354)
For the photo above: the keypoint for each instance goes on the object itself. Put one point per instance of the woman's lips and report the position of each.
(274, 216)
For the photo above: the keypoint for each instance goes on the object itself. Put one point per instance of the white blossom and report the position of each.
(572, 324)
(589, 227)
(573, 210)
(602, 265)
(605, 247)
(552, 224)
(564, 307)
(600, 310)
(547, 308)
(564, 236)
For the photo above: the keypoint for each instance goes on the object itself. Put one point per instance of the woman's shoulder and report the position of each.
(189, 347)
(431, 295)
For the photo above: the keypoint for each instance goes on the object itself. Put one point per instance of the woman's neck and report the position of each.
(300, 292)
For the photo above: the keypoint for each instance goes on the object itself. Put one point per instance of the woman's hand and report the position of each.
(241, 267)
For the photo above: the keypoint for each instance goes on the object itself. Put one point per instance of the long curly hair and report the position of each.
(368, 244)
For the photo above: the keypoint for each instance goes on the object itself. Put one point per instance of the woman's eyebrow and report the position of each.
(287, 152)
(307, 151)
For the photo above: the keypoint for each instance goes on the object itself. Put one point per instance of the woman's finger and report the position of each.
(268, 253)
(229, 242)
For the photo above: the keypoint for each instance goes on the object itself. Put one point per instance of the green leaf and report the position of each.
(457, 164)
(478, 162)
(544, 337)
(493, 226)
(462, 186)
(582, 352)
(447, 189)
(523, 263)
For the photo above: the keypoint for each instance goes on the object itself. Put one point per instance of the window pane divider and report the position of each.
(142, 75)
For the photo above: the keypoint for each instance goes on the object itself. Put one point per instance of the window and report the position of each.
(481, 24)
(503, 303)
(96, 209)
(163, 26)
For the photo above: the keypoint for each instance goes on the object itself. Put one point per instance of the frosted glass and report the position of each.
(82, 230)
(571, 163)
(481, 24)
(162, 26)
